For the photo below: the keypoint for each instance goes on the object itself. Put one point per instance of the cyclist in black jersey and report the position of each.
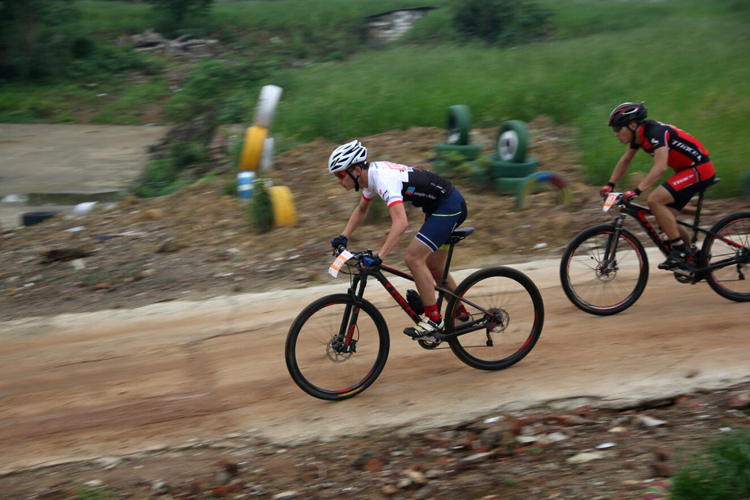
(444, 208)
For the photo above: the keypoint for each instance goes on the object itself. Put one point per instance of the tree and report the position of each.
(502, 22)
(177, 10)
(25, 27)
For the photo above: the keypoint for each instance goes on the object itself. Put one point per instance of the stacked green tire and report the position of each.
(457, 141)
(510, 164)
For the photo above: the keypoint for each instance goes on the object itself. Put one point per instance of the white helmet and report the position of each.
(347, 155)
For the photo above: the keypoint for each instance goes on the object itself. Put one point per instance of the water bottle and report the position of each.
(415, 301)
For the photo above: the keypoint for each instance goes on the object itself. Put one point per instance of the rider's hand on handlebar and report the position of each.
(629, 196)
(605, 190)
(339, 241)
(371, 262)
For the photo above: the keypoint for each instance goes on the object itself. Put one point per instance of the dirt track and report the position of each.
(109, 383)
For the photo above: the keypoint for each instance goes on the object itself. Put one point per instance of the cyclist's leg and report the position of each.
(435, 231)
(683, 186)
(684, 233)
(670, 198)
(436, 264)
(416, 260)
(454, 211)
(657, 203)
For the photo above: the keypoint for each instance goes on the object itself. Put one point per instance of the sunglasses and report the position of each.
(340, 175)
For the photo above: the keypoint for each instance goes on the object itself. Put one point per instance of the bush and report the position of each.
(159, 175)
(723, 473)
(502, 22)
(207, 86)
(187, 154)
(260, 211)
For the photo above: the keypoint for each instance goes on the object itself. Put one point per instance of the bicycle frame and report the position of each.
(639, 213)
(359, 283)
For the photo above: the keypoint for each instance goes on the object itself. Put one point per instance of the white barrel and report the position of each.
(245, 180)
(266, 157)
(266, 107)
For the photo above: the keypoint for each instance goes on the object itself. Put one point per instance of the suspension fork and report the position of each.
(351, 312)
(611, 249)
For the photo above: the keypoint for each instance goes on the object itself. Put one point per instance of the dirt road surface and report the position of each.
(115, 382)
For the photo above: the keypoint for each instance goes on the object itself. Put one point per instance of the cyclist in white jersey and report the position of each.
(444, 208)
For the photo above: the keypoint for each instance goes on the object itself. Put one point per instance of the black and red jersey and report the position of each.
(684, 150)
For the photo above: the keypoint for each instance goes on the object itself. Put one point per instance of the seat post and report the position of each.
(697, 222)
(444, 281)
(447, 265)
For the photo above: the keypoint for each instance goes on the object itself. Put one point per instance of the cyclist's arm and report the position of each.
(622, 165)
(661, 156)
(358, 216)
(399, 224)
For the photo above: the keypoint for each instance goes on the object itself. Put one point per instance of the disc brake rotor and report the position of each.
(335, 350)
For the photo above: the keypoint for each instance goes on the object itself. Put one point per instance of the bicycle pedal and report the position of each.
(683, 272)
(429, 339)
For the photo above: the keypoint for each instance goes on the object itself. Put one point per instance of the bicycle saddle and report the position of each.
(460, 234)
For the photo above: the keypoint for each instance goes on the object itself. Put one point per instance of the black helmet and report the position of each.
(628, 112)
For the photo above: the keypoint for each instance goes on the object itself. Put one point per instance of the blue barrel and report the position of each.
(245, 180)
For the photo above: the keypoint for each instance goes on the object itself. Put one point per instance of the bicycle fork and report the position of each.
(345, 341)
(608, 264)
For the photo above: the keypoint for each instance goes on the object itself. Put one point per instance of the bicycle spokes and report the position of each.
(730, 245)
(332, 353)
(505, 327)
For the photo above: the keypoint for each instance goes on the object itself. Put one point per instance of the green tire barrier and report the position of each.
(745, 194)
(512, 141)
(468, 151)
(502, 169)
(459, 125)
(507, 185)
(528, 184)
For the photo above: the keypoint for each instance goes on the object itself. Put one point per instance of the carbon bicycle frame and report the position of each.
(357, 291)
(639, 213)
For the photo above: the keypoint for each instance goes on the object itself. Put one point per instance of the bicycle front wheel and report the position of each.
(513, 312)
(602, 274)
(732, 241)
(329, 359)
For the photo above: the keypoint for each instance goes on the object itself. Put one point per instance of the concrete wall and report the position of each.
(389, 26)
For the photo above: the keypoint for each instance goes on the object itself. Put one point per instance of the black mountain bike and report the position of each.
(338, 345)
(604, 270)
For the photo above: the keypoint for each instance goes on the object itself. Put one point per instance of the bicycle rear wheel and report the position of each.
(732, 241)
(597, 283)
(322, 363)
(515, 323)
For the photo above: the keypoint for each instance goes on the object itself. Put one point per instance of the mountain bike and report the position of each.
(604, 270)
(338, 345)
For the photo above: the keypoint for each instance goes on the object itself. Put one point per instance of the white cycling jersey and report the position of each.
(397, 183)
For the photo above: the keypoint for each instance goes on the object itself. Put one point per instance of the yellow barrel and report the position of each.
(282, 205)
(252, 148)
